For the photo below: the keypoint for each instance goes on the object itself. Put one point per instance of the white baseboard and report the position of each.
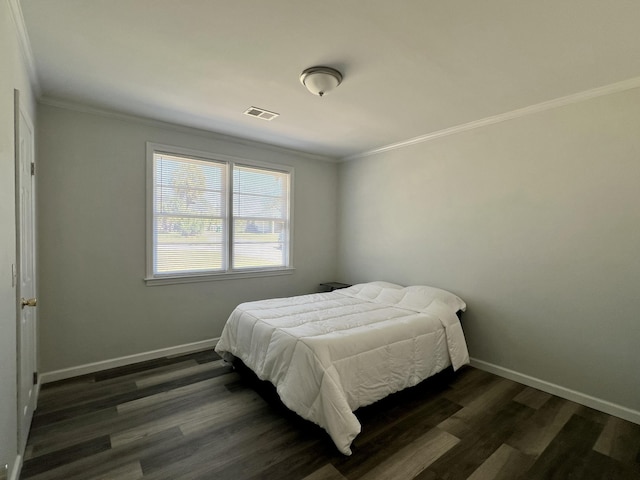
(17, 466)
(563, 392)
(55, 375)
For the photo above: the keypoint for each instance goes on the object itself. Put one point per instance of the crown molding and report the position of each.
(84, 108)
(25, 45)
(502, 117)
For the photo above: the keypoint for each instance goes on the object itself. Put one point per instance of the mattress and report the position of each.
(328, 354)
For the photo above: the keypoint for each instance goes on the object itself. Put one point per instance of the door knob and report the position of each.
(31, 302)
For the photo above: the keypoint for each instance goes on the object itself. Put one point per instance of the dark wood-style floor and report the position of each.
(194, 417)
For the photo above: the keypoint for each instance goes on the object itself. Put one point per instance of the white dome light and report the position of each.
(320, 80)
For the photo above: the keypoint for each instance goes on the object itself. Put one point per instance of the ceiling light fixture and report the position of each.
(320, 80)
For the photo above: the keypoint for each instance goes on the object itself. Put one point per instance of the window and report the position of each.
(215, 216)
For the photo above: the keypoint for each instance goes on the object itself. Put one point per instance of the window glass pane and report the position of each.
(261, 218)
(172, 258)
(189, 207)
(260, 193)
(189, 252)
(259, 244)
(188, 186)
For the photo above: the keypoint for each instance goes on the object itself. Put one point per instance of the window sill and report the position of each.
(211, 277)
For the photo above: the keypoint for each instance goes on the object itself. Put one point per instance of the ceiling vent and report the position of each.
(261, 113)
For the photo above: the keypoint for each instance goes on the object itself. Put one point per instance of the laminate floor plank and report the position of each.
(56, 397)
(211, 442)
(108, 421)
(156, 364)
(410, 461)
(429, 412)
(209, 446)
(130, 471)
(310, 462)
(50, 461)
(72, 431)
(603, 467)
(592, 415)
(291, 442)
(620, 439)
(327, 472)
(566, 455)
(494, 398)
(383, 441)
(465, 389)
(222, 461)
(537, 432)
(136, 369)
(164, 377)
(176, 393)
(478, 445)
(506, 463)
(533, 398)
(194, 417)
(78, 396)
(203, 356)
(83, 467)
(116, 398)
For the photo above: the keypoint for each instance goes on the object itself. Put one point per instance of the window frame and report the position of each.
(152, 278)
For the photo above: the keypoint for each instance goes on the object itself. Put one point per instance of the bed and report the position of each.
(328, 354)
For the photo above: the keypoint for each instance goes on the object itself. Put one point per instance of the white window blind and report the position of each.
(260, 217)
(213, 216)
(189, 215)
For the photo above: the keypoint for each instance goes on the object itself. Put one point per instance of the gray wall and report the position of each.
(13, 76)
(534, 221)
(94, 305)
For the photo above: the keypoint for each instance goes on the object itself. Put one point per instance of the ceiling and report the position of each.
(411, 67)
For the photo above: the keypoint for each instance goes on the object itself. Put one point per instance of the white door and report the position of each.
(26, 291)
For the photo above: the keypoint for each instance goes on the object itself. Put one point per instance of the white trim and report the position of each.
(229, 164)
(17, 468)
(56, 375)
(173, 279)
(221, 137)
(36, 390)
(25, 44)
(520, 112)
(560, 391)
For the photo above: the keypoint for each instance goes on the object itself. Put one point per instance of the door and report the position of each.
(26, 274)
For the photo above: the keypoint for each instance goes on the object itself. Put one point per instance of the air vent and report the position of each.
(261, 113)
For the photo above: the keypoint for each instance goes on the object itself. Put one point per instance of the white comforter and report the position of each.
(330, 353)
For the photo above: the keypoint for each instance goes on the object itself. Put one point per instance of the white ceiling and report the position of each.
(411, 67)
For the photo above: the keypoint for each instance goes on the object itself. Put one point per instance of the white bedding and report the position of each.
(330, 353)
